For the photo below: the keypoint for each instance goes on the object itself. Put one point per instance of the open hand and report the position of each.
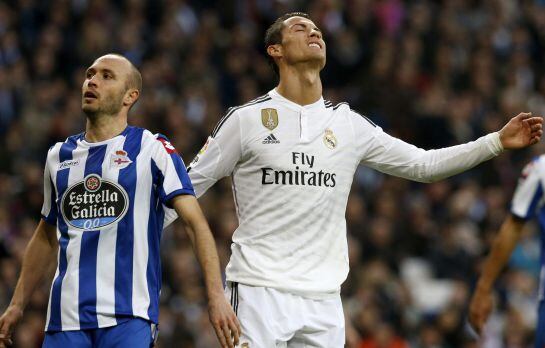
(224, 321)
(521, 131)
(8, 320)
(480, 308)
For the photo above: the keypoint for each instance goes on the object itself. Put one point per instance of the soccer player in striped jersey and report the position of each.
(105, 193)
(292, 158)
(526, 204)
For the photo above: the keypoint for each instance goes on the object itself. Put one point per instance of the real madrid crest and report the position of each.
(329, 139)
(269, 118)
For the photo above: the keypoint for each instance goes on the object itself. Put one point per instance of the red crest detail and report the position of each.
(168, 146)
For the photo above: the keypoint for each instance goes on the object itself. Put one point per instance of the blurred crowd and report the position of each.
(434, 73)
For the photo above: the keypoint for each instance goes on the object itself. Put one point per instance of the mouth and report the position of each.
(315, 44)
(90, 95)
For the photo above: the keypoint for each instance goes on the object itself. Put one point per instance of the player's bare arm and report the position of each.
(221, 313)
(521, 131)
(39, 256)
(482, 300)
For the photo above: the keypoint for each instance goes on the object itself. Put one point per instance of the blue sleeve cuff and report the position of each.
(50, 220)
(175, 193)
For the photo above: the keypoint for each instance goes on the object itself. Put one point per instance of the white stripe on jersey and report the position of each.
(70, 283)
(140, 298)
(55, 153)
(106, 253)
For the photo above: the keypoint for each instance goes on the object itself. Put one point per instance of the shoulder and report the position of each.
(241, 111)
(537, 164)
(67, 145)
(344, 108)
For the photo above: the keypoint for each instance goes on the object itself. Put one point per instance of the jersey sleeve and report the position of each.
(393, 156)
(529, 192)
(171, 175)
(219, 155)
(49, 207)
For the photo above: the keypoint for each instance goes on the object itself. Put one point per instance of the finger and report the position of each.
(227, 334)
(533, 120)
(5, 342)
(234, 332)
(219, 334)
(238, 326)
(523, 115)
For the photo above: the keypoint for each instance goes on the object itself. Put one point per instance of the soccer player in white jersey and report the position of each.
(104, 196)
(527, 203)
(292, 158)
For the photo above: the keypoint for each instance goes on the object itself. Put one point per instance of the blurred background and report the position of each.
(434, 73)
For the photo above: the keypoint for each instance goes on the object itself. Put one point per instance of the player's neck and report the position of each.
(301, 86)
(104, 127)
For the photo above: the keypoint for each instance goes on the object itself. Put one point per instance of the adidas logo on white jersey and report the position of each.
(271, 139)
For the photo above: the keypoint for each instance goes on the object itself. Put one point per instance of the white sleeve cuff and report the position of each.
(494, 143)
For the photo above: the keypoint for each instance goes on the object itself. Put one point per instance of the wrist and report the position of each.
(483, 286)
(17, 304)
(215, 294)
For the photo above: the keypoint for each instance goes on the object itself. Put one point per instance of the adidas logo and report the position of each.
(271, 139)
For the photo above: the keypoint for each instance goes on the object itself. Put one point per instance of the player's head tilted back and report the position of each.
(112, 86)
(294, 40)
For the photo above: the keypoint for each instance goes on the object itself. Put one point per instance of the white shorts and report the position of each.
(272, 318)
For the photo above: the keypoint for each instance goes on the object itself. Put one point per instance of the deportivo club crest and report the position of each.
(269, 118)
(93, 203)
(120, 159)
(329, 139)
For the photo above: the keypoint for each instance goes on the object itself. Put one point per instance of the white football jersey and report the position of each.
(292, 168)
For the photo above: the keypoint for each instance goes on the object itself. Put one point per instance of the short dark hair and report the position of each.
(273, 35)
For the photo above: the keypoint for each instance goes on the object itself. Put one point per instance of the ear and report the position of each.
(275, 51)
(131, 96)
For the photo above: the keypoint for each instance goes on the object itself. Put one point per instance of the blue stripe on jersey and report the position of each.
(155, 227)
(55, 323)
(125, 230)
(88, 253)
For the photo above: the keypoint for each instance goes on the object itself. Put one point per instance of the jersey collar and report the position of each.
(317, 105)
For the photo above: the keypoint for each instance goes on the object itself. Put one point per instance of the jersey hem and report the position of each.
(94, 327)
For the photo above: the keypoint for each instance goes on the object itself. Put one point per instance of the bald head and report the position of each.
(133, 76)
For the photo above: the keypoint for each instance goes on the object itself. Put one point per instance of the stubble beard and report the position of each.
(110, 106)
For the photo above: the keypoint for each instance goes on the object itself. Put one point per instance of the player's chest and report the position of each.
(94, 187)
(294, 139)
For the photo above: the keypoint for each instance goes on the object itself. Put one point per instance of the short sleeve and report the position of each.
(219, 155)
(529, 191)
(49, 207)
(170, 177)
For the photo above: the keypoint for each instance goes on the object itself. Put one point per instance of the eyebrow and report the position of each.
(304, 25)
(104, 70)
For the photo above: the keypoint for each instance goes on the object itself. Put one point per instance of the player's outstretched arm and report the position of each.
(221, 313)
(502, 247)
(39, 257)
(521, 131)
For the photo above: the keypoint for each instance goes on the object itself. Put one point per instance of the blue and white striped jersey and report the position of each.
(528, 202)
(107, 200)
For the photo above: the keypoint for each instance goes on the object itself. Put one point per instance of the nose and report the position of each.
(316, 33)
(92, 81)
